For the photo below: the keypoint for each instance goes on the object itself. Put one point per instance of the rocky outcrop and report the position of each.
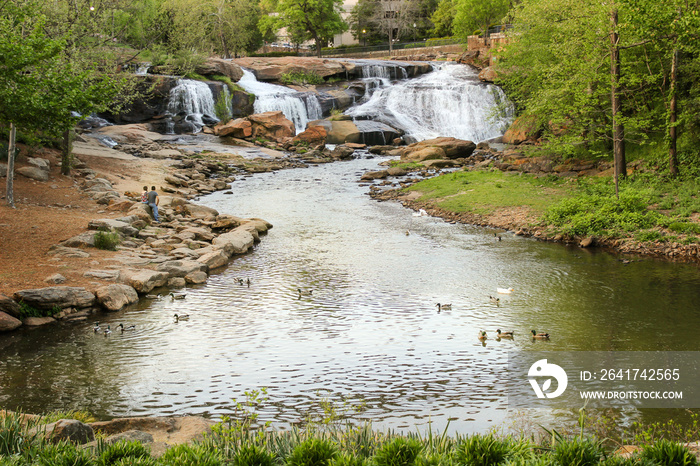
(115, 297)
(69, 430)
(35, 173)
(360, 132)
(312, 136)
(9, 306)
(272, 126)
(217, 66)
(143, 280)
(239, 128)
(521, 130)
(56, 296)
(272, 68)
(439, 148)
(488, 75)
(8, 322)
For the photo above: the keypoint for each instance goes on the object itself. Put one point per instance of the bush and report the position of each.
(190, 454)
(113, 454)
(578, 452)
(487, 450)
(684, 227)
(648, 236)
(398, 452)
(64, 454)
(107, 240)
(253, 455)
(25, 310)
(313, 452)
(15, 436)
(666, 453)
(301, 77)
(82, 416)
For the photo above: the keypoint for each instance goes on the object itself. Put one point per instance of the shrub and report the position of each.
(25, 310)
(190, 454)
(398, 452)
(648, 236)
(578, 452)
(301, 77)
(684, 227)
(253, 455)
(107, 240)
(15, 436)
(666, 453)
(313, 452)
(346, 459)
(64, 454)
(112, 454)
(487, 450)
(82, 416)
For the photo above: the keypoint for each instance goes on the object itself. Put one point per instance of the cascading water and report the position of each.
(195, 99)
(450, 101)
(298, 107)
(378, 75)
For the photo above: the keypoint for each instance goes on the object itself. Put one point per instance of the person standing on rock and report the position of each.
(144, 195)
(153, 202)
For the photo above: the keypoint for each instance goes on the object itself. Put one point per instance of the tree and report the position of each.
(477, 14)
(442, 18)
(395, 17)
(315, 19)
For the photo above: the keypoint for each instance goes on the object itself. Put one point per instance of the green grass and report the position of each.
(301, 77)
(107, 240)
(484, 192)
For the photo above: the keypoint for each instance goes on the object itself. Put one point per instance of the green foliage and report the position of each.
(201, 455)
(645, 236)
(313, 452)
(16, 435)
(64, 454)
(398, 452)
(253, 455)
(667, 453)
(112, 454)
(471, 14)
(107, 240)
(301, 77)
(578, 452)
(25, 310)
(222, 107)
(82, 416)
(488, 450)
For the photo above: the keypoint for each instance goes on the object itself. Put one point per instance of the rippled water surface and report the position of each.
(369, 334)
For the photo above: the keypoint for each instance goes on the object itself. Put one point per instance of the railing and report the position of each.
(397, 46)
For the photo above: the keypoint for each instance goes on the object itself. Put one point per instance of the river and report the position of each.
(369, 336)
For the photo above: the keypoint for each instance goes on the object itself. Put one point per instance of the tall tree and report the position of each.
(393, 18)
(317, 19)
(477, 14)
(442, 18)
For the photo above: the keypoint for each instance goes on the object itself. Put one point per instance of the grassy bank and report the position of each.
(650, 209)
(243, 443)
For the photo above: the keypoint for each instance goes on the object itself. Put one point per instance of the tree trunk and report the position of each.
(391, 41)
(673, 116)
(618, 129)
(67, 149)
(10, 195)
(318, 45)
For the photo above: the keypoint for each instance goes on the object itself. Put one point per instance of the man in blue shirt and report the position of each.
(153, 201)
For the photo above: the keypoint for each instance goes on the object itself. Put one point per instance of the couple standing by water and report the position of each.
(151, 199)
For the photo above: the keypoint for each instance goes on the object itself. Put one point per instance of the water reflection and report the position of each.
(369, 333)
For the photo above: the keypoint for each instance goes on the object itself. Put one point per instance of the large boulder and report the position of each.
(8, 323)
(271, 125)
(181, 268)
(35, 173)
(214, 259)
(312, 136)
(115, 297)
(237, 241)
(9, 306)
(200, 211)
(68, 430)
(453, 149)
(239, 128)
(218, 66)
(56, 296)
(361, 131)
(83, 240)
(143, 280)
(272, 68)
(522, 129)
(112, 224)
(488, 75)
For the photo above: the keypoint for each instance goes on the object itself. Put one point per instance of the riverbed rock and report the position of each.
(374, 175)
(218, 66)
(172, 430)
(311, 136)
(8, 322)
(240, 128)
(56, 296)
(115, 297)
(260, 225)
(226, 222)
(83, 240)
(587, 242)
(143, 280)
(214, 259)
(196, 277)
(430, 149)
(181, 268)
(342, 152)
(200, 211)
(68, 430)
(9, 306)
(37, 321)
(272, 68)
(130, 436)
(109, 224)
(273, 126)
(524, 128)
(237, 241)
(34, 173)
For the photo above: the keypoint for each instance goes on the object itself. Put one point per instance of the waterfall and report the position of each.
(450, 101)
(298, 107)
(195, 99)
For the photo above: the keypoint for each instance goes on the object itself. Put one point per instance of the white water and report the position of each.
(271, 97)
(450, 101)
(194, 98)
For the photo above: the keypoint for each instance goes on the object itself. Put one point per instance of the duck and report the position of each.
(178, 296)
(504, 290)
(179, 317)
(96, 328)
(494, 299)
(240, 281)
(107, 331)
(500, 334)
(122, 328)
(447, 307)
(539, 336)
(247, 280)
(304, 293)
(482, 335)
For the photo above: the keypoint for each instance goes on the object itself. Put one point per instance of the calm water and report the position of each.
(370, 334)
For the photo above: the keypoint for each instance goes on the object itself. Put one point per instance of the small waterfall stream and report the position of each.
(298, 107)
(195, 99)
(450, 101)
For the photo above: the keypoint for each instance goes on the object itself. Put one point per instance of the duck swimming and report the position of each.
(482, 335)
(178, 296)
(504, 290)
(500, 334)
(181, 317)
(107, 331)
(447, 307)
(121, 327)
(539, 336)
(96, 328)
(494, 299)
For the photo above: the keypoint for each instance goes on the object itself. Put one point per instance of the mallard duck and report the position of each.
(178, 296)
(122, 328)
(240, 281)
(504, 290)
(304, 293)
(494, 299)
(446, 307)
(500, 334)
(179, 317)
(107, 331)
(539, 336)
(482, 335)
(96, 328)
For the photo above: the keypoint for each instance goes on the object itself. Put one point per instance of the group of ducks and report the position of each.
(499, 334)
(106, 331)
